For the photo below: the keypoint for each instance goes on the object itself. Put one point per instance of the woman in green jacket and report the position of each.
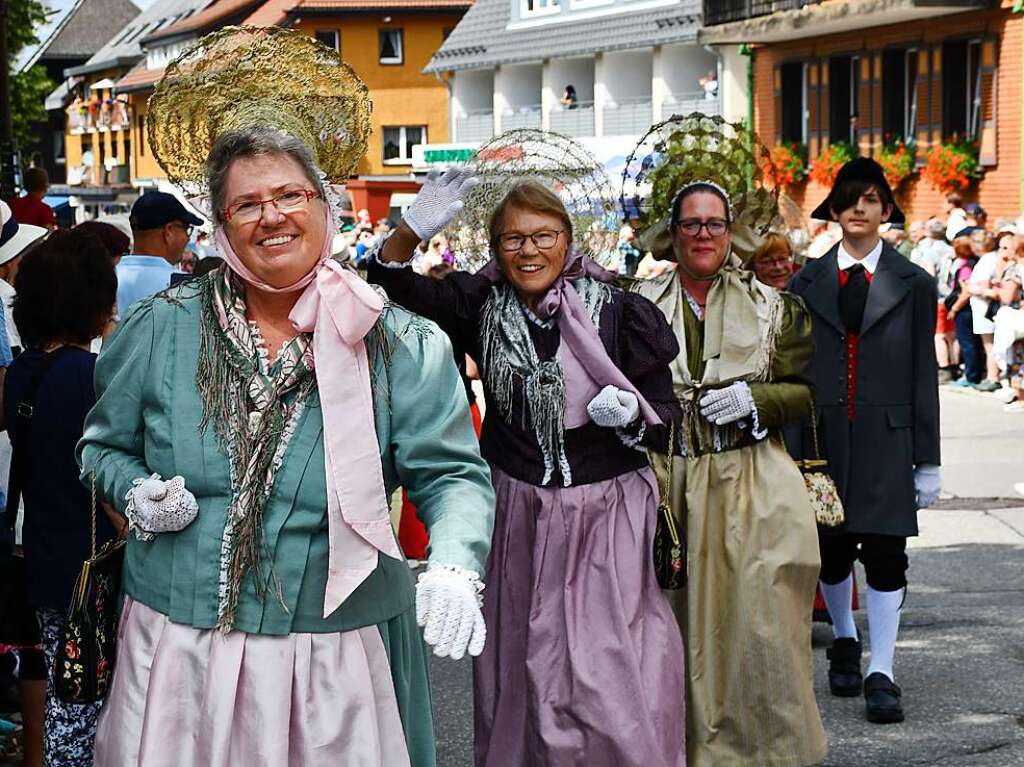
(255, 422)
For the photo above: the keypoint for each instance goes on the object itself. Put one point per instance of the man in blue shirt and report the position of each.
(161, 228)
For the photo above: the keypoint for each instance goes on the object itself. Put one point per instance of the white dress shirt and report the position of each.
(869, 262)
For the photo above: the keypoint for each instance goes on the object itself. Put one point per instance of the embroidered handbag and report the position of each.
(84, 661)
(669, 545)
(828, 507)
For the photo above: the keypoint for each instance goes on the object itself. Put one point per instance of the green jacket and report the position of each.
(146, 420)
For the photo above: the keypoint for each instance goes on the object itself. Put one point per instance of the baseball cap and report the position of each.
(16, 238)
(154, 209)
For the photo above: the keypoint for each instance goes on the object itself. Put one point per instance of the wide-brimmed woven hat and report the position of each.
(239, 77)
(684, 150)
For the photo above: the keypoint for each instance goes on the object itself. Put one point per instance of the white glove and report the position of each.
(439, 200)
(722, 406)
(155, 506)
(448, 608)
(613, 407)
(927, 484)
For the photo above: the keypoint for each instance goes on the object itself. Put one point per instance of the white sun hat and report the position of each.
(16, 238)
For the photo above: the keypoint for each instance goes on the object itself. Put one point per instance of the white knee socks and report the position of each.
(883, 625)
(839, 600)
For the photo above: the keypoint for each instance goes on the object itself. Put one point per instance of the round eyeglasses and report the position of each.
(249, 211)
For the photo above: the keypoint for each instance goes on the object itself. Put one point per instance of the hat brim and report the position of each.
(26, 236)
(824, 212)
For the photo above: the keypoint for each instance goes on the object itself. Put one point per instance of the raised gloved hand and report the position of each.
(927, 484)
(613, 407)
(727, 405)
(155, 506)
(448, 608)
(439, 200)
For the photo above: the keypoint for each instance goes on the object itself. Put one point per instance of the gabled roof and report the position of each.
(217, 14)
(272, 13)
(358, 5)
(482, 38)
(76, 29)
(124, 49)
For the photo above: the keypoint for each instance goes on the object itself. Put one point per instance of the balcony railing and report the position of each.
(575, 121)
(523, 117)
(627, 118)
(686, 103)
(724, 11)
(477, 125)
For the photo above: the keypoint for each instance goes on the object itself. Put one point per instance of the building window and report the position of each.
(142, 135)
(794, 103)
(899, 94)
(538, 7)
(399, 141)
(329, 37)
(390, 46)
(961, 88)
(843, 82)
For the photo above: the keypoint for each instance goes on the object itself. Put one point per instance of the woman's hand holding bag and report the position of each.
(155, 506)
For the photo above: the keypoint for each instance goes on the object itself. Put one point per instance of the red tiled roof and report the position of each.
(345, 5)
(216, 12)
(139, 77)
(272, 13)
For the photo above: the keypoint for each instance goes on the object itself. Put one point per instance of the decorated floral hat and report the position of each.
(700, 149)
(238, 77)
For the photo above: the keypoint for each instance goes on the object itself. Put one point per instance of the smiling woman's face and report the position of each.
(279, 248)
(531, 269)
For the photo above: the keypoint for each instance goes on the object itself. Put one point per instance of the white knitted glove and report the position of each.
(448, 608)
(155, 506)
(728, 405)
(613, 407)
(927, 484)
(439, 200)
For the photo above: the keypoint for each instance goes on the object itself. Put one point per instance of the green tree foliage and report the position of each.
(29, 88)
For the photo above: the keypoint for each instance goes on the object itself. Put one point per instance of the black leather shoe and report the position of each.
(882, 699)
(844, 677)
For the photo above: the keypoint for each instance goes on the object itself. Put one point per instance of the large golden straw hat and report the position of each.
(238, 77)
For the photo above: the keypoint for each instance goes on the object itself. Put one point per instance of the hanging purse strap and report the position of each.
(665, 487)
(21, 432)
(817, 462)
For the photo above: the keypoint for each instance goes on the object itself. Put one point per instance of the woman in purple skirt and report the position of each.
(584, 662)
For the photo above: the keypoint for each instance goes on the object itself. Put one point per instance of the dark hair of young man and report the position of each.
(66, 290)
(847, 193)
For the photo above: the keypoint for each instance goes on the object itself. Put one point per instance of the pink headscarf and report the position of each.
(340, 309)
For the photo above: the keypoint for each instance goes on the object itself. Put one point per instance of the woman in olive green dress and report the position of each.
(751, 536)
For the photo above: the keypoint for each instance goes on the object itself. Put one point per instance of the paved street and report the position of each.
(960, 659)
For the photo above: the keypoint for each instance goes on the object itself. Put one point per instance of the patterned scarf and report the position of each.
(507, 353)
(247, 401)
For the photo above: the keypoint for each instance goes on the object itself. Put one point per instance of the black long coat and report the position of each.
(896, 407)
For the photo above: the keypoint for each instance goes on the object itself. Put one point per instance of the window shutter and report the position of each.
(876, 104)
(823, 102)
(935, 102)
(813, 115)
(987, 134)
(777, 82)
(864, 106)
(923, 133)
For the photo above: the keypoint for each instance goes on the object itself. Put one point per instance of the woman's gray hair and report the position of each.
(254, 141)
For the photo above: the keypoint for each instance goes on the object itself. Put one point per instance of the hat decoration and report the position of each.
(238, 77)
(859, 169)
(554, 161)
(697, 148)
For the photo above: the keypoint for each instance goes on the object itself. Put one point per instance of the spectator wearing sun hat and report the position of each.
(15, 239)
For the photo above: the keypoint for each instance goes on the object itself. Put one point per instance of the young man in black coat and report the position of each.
(877, 405)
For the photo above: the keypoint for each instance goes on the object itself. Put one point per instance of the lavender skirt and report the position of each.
(584, 661)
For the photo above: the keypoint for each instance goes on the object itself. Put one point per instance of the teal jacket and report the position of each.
(146, 420)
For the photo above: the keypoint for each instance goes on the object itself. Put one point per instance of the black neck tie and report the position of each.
(852, 298)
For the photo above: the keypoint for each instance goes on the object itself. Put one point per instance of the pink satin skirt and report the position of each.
(185, 697)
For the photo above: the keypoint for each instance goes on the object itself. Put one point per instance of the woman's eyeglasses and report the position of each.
(691, 226)
(252, 210)
(542, 240)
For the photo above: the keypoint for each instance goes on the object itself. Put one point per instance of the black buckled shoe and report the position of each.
(844, 676)
(882, 699)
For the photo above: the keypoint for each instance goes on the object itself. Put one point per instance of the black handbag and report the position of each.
(84, 662)
(669, 545)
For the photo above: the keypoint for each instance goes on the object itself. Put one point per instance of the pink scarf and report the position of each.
(340, 309)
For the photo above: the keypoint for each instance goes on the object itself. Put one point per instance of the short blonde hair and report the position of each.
(774, 244)
(528, 195)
